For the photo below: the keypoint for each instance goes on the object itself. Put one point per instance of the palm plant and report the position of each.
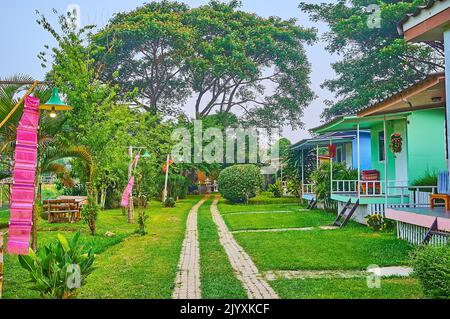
(52, 143)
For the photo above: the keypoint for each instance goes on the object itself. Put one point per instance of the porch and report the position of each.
(414, 224)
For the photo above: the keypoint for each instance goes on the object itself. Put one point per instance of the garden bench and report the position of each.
(62, 210)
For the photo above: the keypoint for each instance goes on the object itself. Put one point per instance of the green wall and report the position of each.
(426, 142)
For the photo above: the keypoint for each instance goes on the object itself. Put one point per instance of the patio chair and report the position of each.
(443, 190)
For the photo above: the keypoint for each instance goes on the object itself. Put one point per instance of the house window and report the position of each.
(339, 157)
(381, 154)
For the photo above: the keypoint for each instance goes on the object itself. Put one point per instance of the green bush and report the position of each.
(378, 223)
(59, 268)
(177, 186)
(427, 179)
(294, 186)
(432, 268)
(322, 183)
(276, 189)
(89, 213)
(239, 183)
(170, 202)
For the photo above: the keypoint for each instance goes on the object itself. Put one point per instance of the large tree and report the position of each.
(228, 60)
(376, 61)
(148, 50)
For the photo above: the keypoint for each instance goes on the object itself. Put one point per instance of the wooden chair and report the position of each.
(62, 210)
(443, 191)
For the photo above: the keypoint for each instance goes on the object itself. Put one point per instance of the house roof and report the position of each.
(426, 22)
(428, 92)
(324, 139)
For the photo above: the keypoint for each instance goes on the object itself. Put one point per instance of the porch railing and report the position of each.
(308, 188)
(368, 188)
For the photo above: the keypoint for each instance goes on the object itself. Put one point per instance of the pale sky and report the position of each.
(22, 39)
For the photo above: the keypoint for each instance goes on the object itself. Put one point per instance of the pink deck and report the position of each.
(415, 217)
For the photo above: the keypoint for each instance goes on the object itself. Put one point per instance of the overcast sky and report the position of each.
(22, 39)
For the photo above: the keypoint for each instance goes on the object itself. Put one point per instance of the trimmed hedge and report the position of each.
(239, 183)
(432, 268)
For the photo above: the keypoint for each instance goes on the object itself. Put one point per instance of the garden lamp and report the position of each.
(146, 154)
(55, 104)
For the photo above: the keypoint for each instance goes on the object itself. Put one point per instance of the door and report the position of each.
(401, 165)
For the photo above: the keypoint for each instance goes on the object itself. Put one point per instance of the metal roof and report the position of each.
(416, 12)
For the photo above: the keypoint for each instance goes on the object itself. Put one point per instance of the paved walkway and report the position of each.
(246, 271)
(187, 282)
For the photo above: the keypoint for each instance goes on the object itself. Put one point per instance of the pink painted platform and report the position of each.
(421, 216)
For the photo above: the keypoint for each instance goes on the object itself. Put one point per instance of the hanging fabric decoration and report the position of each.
(22, 194)
(331, 151)
(129, 188)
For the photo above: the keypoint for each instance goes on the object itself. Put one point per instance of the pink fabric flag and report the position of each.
(129, 188)
(22, 194)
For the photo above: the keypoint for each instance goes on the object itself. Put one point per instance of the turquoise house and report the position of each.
(407, 141)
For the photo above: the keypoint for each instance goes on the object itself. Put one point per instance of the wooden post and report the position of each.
(166, 180)
(130, 200)
(1, 264)
(386, 176)
(1, 195)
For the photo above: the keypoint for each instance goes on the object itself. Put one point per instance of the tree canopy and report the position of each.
(375, 61)
(225, 59)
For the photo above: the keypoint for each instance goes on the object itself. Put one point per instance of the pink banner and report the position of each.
(22, 194)
(127, 192)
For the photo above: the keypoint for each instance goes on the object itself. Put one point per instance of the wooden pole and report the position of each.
(1, 195)
(130, 200)
(166, 179)
(1, 264)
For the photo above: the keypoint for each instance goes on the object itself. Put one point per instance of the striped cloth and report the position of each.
(22, 194)
(443, 183)
(129, 188)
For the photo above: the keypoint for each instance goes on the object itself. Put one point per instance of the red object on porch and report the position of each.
(370, 175)
(331, 151)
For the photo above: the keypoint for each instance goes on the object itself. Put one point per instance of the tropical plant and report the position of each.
(169, 202)
(276, 188)
(378, 223)
(58, 268)
(322, 183)
(239, 183)
(177, 186)
(89, 213)
(432, 268)
(429, 178)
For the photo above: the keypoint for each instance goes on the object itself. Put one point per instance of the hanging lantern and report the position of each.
(396, 143)
(55, 104)
(331, 151)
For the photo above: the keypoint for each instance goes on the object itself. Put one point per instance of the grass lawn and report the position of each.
(142, 266)
(106, 279)
(267, 220)
(218, 280)
(350, 288)
(353, 247)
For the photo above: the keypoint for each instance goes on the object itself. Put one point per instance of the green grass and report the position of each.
(264, 198)
(293, 219)
(350, 288)
(142, 266)
(218, 280)
(353, 247)
(163, 225)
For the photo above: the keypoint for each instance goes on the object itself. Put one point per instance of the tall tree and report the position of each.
(376, 61)
(149, 47)
(248, 63)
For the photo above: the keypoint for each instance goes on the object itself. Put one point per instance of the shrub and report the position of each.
(59, 268)
(89, 213)
(321, 180)
(294, 187)
(170, 202)
(432, 268)
(177, 186)
(276, 189)
(239, 183)
(378, 223)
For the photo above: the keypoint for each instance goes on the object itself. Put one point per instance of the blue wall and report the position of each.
(365, 158)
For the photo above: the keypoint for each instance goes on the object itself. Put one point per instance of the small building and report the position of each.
(413, 120)
(345, 144)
